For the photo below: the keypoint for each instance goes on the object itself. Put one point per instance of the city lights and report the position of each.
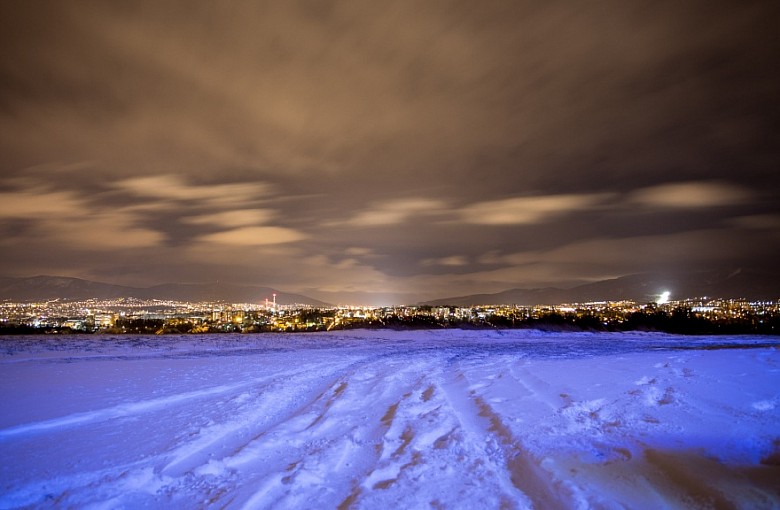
(129, 315)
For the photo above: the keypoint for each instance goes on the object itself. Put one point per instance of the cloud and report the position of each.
(690, 195)
(757, 221)
(394, 212)
(237, 218)
(510, 211)
(175, 188)
(409, 127)
(629, 254)
(64, 218)
(254, 236)
(246, 227)
(451, 261)
(529, 210)
(39, 203)
(102, 231)
(491, 257)
(360, 251)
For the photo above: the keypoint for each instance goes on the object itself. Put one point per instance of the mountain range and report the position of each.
(38, 288)
(645, 287)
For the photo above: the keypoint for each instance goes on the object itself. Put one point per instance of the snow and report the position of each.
(378, 419)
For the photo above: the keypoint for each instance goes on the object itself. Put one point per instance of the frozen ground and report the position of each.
(380, 419)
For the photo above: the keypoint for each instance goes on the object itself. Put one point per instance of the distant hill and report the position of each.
(52, 287)
(644, 287)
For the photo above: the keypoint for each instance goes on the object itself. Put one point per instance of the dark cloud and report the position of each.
(404, 149)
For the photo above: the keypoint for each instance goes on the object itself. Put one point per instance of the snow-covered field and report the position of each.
(381, 419)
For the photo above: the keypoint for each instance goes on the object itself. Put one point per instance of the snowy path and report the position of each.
(448, 419)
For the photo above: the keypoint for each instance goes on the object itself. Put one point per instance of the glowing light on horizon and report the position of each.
(664, 297)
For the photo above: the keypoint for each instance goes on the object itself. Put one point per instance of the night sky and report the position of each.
(379, 152)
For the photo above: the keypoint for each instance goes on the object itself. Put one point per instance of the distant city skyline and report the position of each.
(138, 316)
(369, 153)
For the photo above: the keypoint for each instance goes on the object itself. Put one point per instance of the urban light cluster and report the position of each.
(129, 315)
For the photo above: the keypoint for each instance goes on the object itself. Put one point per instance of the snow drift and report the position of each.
(378, 419)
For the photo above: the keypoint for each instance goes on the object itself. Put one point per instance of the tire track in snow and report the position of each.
(324, 448)
(531, 484)
(258, 415)
(172, 469)
(406, 429)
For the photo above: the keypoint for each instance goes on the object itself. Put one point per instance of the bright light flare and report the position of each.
(664, 297)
